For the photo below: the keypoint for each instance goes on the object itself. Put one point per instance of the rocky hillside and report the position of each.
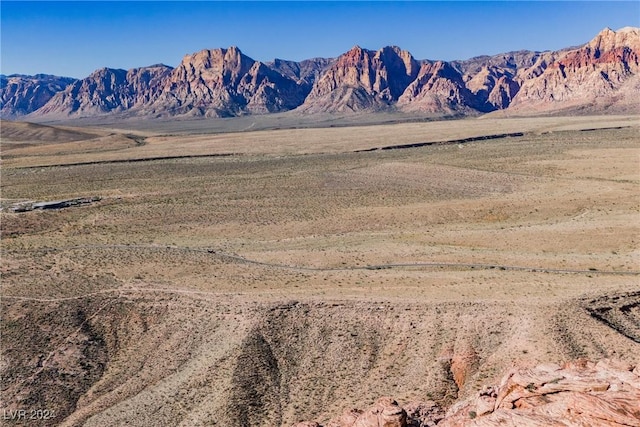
(492, 79)
(585, 76)
(580, 393)
(225, 82)
(304, 72)
(186, 361)
(439, 88)
(108, 90)
(363, 79)
(600, 76)
(21, 95)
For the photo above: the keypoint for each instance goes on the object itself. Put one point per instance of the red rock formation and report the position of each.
(463, 363)
(219, 82)
(363, 79)
(584, 76)
(225, 82)
(439, 88)
(385, 413)
(598, 76)
(577, 394)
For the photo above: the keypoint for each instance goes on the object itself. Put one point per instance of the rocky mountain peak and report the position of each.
(107, 76)
(608, 40)
(20, 94)
(362, 78)
(108, 90)
(396, 57)
(354, 56)
(590, 75)
(214, 61)
(226, 82)
(438, 87)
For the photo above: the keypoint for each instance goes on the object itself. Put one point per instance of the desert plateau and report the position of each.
(270, 277)
(362, 241)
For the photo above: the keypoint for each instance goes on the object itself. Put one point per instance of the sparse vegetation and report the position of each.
(360, 273)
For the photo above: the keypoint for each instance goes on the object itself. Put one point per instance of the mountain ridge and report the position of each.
(224, 82)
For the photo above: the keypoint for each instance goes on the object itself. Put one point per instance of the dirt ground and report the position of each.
(260, 278)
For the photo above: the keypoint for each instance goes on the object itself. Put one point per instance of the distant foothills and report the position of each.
(601, 76)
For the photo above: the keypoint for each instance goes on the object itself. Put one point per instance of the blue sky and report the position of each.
(75, 38)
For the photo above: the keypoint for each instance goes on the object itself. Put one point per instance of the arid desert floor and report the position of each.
(265, 277)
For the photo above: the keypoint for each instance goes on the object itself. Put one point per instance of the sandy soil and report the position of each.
(297, 277)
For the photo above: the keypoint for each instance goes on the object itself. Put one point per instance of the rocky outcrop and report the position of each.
(20, 95)
(510, 61)
(438, 88)
(493, 87)
(385, 412)
(108, 90)
(58, 204)
(492, 79)
(225, 82)
(581, 77)
(145, 84)
(363, 79)
(495, 80)
(305, 72)
(579, 393)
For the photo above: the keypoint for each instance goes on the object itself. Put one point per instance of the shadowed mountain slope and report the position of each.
(20, 95)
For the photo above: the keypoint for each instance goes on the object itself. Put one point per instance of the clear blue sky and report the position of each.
(75, 38)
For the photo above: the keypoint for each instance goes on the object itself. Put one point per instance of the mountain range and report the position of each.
(602, 75)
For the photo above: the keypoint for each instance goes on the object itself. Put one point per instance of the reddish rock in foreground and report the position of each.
(580, 393)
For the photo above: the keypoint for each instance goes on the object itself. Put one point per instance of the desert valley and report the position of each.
(237, 243)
